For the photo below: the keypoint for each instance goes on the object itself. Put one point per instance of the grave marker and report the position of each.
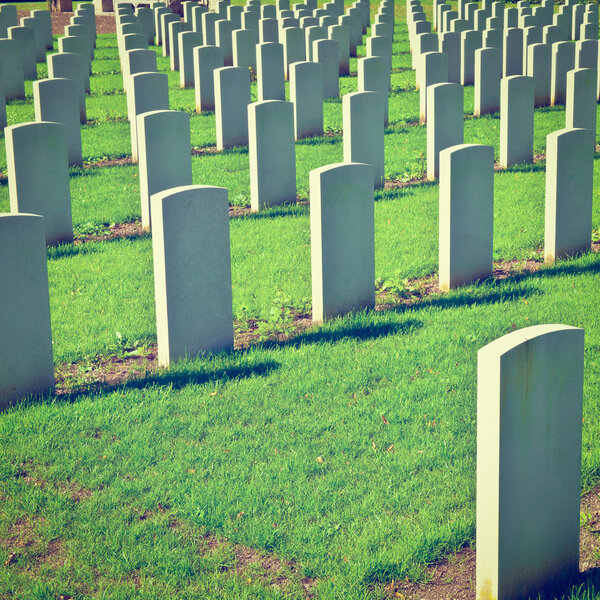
(232, 96)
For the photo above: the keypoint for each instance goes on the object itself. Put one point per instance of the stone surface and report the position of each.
(488, 72)
(445, 125)
(466, 214)
(312, 34)
(147, 92)
(374, 76)
(516, 120)
(26, 362)
(208, 28)
(175, 28)
(469, 42)
(244, 49)
(164, 155)
(580, 108)
(586, 54)
(165, 19)
(38, 37)
(192, 272)
(529, 413)
(40, 148)
(563, 60)
(341, 34)
(78, 45)
(569, 179)
(57, 100)
(187, 41)
(342, 239)
(363, 131)
(268, 30)
(449, 44)
(25, 37)
(294, 47)
(270, 82)
(223, 39)
(70, 65)
(206, 60)
(306, 94)
(433, 69)
(272, 153)
(232, 96)
(539, 67)
(512, 60)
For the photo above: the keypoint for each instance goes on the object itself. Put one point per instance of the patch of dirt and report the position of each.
(109, 162)
(205, 150)
(454, 577)
(390, 184)
(104, 23)
(118, 230)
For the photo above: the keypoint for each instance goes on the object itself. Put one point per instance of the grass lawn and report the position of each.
(329, 463)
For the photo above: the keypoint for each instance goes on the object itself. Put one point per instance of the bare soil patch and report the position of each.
(104, 23)
(116, 231)
(454, 577)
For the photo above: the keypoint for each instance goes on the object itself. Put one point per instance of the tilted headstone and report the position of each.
(363, 131)
(342, 239)
(466, 214)
(569, 179)
(187, 41)
(516, 120)
(57, 100)
(26, 362)
(488, 72)
(232, 96)
(580, 108)
(270, 83)
(563, 61)
(40, 148)
(192, 272)
(325, 52)
(529, 413)
(445, 122)
(306, 94)
(70, 65)
(272, 153)
(206, 60)
(147, 92)
(164, 155)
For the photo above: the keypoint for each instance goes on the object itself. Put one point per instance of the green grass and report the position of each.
(158, 487)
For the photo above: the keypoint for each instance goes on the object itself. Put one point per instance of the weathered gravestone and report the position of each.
(529, 412)
(466, 214)
(569, 179)
(342, 238)
(192, 272)
(164, 155)
(40, 148)
(272, 153)
(26, 362)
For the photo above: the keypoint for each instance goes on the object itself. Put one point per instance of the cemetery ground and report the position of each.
(314, 461)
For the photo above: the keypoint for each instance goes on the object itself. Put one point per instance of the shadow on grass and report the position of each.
(284, 210)
(68, 250)
(525, 167)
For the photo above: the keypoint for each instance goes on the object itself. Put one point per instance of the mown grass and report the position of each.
(155, 487)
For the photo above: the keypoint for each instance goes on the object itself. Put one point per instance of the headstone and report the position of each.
(38, 37)
(40, 148)
(175, 28)
(306, 94)
(234, 16)
(206, 60)
(46, 19)
(197, 13)
(569, 179)
(552, 34)
(232, 96)
(449, 44)
(24, 36)
(445, 123)
(147, 92)
(424, 42)
(269, 71)
(272, 153)
(165, 19)
(75, 44)
(470, 41)
(244, 49)
(342, 235)
(539, 66)
(516, 120)
(250, 21)
(341, 34)
(511, 18)
(192, 272)
(434, 69)
(373, 76)
(466, 214)
(12, 69)
(586, 54)
(512, 60)
(26, 362)
(294, 48)
(529, 414)
(580, 109)
(354, 27)
(363, 131)
(187, 41)
(158, 13)
(312, 34)
(57, 100)
(488, 72)
(268, 30)
(563, 60)
(70, 65)
(531, 35)
(325, 52)
(208, 28)
(164, 155)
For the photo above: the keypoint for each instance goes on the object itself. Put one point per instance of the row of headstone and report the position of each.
(466, 204)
